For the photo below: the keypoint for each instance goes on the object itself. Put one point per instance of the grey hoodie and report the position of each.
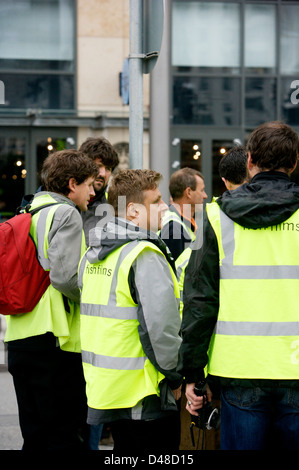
(151, 286)
(65, 240)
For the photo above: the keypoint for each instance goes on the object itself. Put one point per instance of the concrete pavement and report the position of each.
(10, 434)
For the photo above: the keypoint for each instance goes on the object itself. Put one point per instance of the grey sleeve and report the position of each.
(158, 312)
(64, 251)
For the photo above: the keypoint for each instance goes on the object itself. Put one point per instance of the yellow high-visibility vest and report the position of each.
(170, 216)
(118, 374)
(49, 314)
(181, 264)
(257, 331)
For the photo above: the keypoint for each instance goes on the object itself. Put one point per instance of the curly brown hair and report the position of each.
(99, 147)
(60, 166)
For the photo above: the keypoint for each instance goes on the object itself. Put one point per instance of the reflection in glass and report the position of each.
(37, 30)
(219, 149)
(206, 101)
(260, 36)
(289, 46)
(191, 154)
(290, 101)
(260, 100)
(38, 91)
(206, 34)
(46, 146)
(12, 175)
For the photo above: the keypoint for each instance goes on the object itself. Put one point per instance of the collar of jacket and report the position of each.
(268, 199)
(118, 231)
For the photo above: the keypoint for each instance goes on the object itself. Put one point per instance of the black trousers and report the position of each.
(151, 436)
(50, 391)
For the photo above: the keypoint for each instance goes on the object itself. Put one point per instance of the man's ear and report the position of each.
(187, 192)
(132, 211)
(249, 161)
(72, 184)
(294, 167)
(225, 182)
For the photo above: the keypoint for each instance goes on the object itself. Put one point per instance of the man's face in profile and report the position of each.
(103, 176)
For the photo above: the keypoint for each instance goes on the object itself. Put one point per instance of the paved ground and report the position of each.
(10, 434)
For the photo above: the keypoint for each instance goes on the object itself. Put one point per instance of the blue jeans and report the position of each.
(95, 436)
(259, 419)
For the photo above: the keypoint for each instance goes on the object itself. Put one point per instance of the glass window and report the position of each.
(260, 37)
(206, 34)
(206, 100)
(39, 31)
(37, 54)
(289, 45)
(13, 174)
(38, 91)
(191, 154)
(219, 149)
(290, 101)
(46, 146)
(260, 100)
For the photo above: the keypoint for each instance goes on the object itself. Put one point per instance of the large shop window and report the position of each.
(37, 53)
(206, 100)
(289, 65)
(12, 175)
(289, 44)
(260, 38)
(206, 35)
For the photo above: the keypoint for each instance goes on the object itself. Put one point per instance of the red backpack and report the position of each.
(22, 279)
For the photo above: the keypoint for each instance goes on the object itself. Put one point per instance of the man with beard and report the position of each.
(105, 156)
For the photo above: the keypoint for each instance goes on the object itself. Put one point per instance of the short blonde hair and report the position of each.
(131, 184)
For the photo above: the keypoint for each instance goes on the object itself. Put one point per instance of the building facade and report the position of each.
(234, 65)
(60, 65)
(224, 68)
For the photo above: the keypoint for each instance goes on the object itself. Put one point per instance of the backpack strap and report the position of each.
(34, 211)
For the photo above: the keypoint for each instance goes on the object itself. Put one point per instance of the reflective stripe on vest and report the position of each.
(181, 264)
(109, 362)
(42, 227)
(257, 332)
(109, 310)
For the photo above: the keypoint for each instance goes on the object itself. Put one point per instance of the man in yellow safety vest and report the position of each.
(44, 344)
(187, 190)
(130, 320)
(241, 289)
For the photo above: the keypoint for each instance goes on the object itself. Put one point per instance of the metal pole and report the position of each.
(160, 108)
(136, 84)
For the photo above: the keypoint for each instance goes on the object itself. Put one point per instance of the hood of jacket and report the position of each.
(117, 232)
(269, 199)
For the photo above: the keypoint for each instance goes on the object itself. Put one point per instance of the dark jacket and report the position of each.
(176, 235)
(269, 199)
(98, 211)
